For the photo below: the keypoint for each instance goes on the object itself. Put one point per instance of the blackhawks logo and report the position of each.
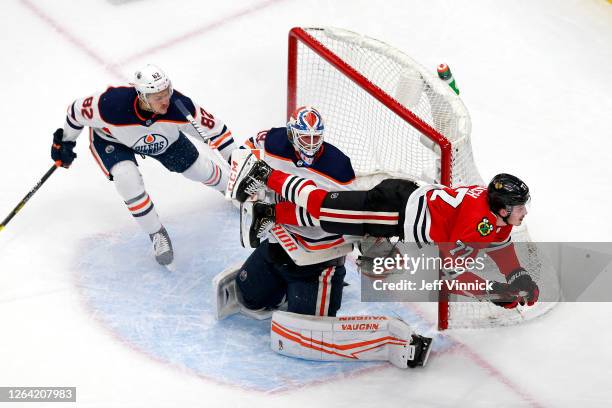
(484, 227)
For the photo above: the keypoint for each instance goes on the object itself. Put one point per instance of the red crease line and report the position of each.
(74, 40)
(496, 373)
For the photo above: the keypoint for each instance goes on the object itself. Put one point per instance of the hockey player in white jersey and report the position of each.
(300, 263)
(144, 119)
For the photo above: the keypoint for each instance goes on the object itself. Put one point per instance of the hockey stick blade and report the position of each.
(244, 211)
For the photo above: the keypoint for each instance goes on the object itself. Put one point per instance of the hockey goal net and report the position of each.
(393, 117)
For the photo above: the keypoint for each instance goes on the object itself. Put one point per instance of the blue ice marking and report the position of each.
(169, 314)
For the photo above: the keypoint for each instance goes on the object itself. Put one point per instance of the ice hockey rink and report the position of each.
(83, 303)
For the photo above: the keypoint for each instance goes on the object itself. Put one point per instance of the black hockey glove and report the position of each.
(62, 152)
(520, 281)
(503, 295)
(519, 290)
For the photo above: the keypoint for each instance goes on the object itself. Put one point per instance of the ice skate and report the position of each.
(264, 217)
(252, 179)
(422, 348)
(162, 247)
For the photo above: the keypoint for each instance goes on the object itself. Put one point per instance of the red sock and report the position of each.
(285, 213)
(315, 201)
(276, 180)
(291, 189)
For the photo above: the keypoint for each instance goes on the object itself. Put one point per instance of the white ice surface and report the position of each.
(534, 75)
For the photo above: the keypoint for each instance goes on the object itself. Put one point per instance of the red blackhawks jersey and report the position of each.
(460, 222)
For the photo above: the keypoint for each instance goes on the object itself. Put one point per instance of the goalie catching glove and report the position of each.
(62, 152)
(519, 290)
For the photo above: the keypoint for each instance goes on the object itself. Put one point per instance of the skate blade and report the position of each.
(427, 351)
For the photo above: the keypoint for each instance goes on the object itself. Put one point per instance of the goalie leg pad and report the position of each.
(225, 293)
(350, 338)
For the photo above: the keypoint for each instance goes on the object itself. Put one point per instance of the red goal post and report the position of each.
(393, 118)
(299, 34)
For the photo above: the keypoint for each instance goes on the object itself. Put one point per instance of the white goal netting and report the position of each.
(394, 117)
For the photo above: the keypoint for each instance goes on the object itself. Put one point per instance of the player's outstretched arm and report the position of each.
(527, 290)
(82, 112)
(517, 277)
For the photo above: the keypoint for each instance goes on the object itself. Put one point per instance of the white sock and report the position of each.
(130, 186)
(205, 171)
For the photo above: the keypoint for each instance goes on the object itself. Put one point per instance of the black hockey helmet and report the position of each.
(505, 191)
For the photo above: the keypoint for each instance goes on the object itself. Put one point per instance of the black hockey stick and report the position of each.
(499, 296)
(28, 196)
(216, 158)
(179, 104)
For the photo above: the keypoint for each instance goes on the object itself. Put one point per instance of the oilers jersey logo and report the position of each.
(151, 144)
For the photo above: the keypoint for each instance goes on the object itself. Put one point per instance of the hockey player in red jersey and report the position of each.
(460, 221)
(145, 119)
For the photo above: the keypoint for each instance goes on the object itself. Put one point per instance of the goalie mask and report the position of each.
(150, 80)
(305, 130)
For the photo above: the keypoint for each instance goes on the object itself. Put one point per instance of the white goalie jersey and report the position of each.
(331, 170)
